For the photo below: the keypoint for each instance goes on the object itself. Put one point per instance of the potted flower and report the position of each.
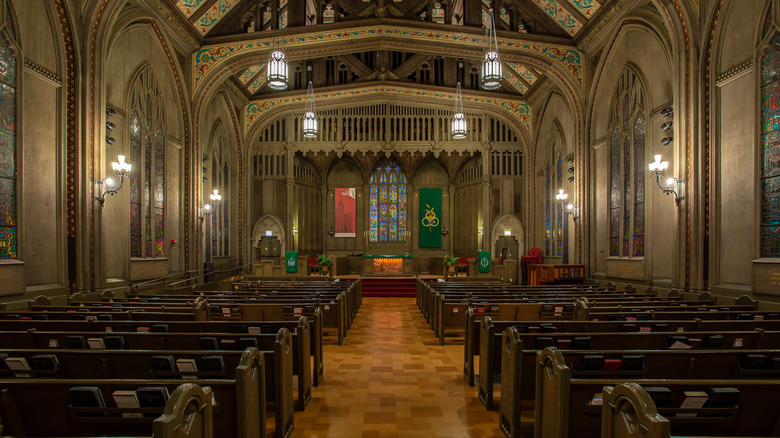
(450, 262)
(324, 262)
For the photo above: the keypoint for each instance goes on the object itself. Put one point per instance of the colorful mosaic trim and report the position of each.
(564, 19)
(587, 7)
(188, 7)
(513, 81)
(71, 147)
(257, 84)
(253, 110)
(249, 73)
(234, 123)
(209, 57)
(214, 14)
(523, 72)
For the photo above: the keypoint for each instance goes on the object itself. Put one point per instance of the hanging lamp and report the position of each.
(277, 66)
(310, 118)
(458, 120)
(491, 63)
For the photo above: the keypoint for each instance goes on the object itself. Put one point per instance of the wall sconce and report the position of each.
(203, 211)
(110, 140)
(331, 233)
(444, 231)
(568, 208)
(658, 169)
(666, 140)
(480, 230)
(665, 126)
(215, 197)
(121, 169)
(110, 126)
(667, 112)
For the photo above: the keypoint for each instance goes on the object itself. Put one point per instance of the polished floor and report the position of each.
(392, 379)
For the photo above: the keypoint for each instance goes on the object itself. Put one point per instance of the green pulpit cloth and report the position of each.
(291, 262)
(430, 218)
(484, 261)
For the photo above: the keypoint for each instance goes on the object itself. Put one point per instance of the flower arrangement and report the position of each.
(324, 260)
(450, 260)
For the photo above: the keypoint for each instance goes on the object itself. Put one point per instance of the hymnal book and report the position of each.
(543, 342)
(96, 343)
(143, 329)
(53, 343)
(645, 329)
(759, 317)
(244, 343)
(114, 342)
(126, 399)
(633, 362)
(612, 365)
(558, 310)
(163, 363)
(738, 342)
(597, 400)
(455, 310)
(661, 395)
(564, 344)
(722, 397)
(226, 311)
(18, 364)
(629, 328)
(694, 342)
(677, 343)
(127, 327)
(76, 341)
(254, 330)
(660, 328)
(188, 367)
(45, 362)
(580, 343)
(208, 343)
(152, 397)
(691, 400)
(238, 328)
(211, 364)
(160, 328)
(105, 317)
(592, 362)
(534, 329)
(227, 344)
(547, 328)
(713, 341)
(267, 328)
(754, 362)
(87, 397)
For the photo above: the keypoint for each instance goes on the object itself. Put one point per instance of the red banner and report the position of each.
(345, 212)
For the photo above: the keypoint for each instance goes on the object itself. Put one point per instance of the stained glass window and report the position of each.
(8, 213)
(770, 151)
(220, 177)
(627, 168)
(767, 21)
(387, 204)
(147, 175)
(553, 211)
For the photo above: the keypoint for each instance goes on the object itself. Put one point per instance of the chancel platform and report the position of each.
(387, 264)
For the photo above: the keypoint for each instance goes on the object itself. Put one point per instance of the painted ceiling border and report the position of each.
(209, 57)
(254, 110)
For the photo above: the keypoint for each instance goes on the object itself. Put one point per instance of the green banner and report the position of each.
(430, 218)
(484, 261)
(291, 262)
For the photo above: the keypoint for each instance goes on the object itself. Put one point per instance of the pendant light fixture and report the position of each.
(277, 66)
(309, 117)
(458, 120)
(491, 63)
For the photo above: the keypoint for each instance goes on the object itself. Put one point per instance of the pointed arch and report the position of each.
(626, 141)
(148, 134)
(553, 182)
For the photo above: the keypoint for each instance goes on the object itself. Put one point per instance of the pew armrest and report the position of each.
(188, 414)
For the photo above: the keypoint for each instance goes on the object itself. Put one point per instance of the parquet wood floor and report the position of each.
(392, 379)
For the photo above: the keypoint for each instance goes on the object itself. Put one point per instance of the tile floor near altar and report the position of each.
(392, 379)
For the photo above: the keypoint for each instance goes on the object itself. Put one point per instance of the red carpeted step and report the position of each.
(389, 287)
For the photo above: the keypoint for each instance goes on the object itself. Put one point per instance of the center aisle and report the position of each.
(392, 379)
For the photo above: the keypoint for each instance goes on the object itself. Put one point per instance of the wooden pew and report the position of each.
(563, 409)
(241, 403)
(188, 414)
(299, 363)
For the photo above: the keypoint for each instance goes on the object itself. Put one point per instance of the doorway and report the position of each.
(507, 247)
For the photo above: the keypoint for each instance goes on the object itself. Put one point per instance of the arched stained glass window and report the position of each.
(8, 205)
(627, 168)
(220, 180)
(147, 178)
(553, 212)
(770, 150)
(387, 204)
